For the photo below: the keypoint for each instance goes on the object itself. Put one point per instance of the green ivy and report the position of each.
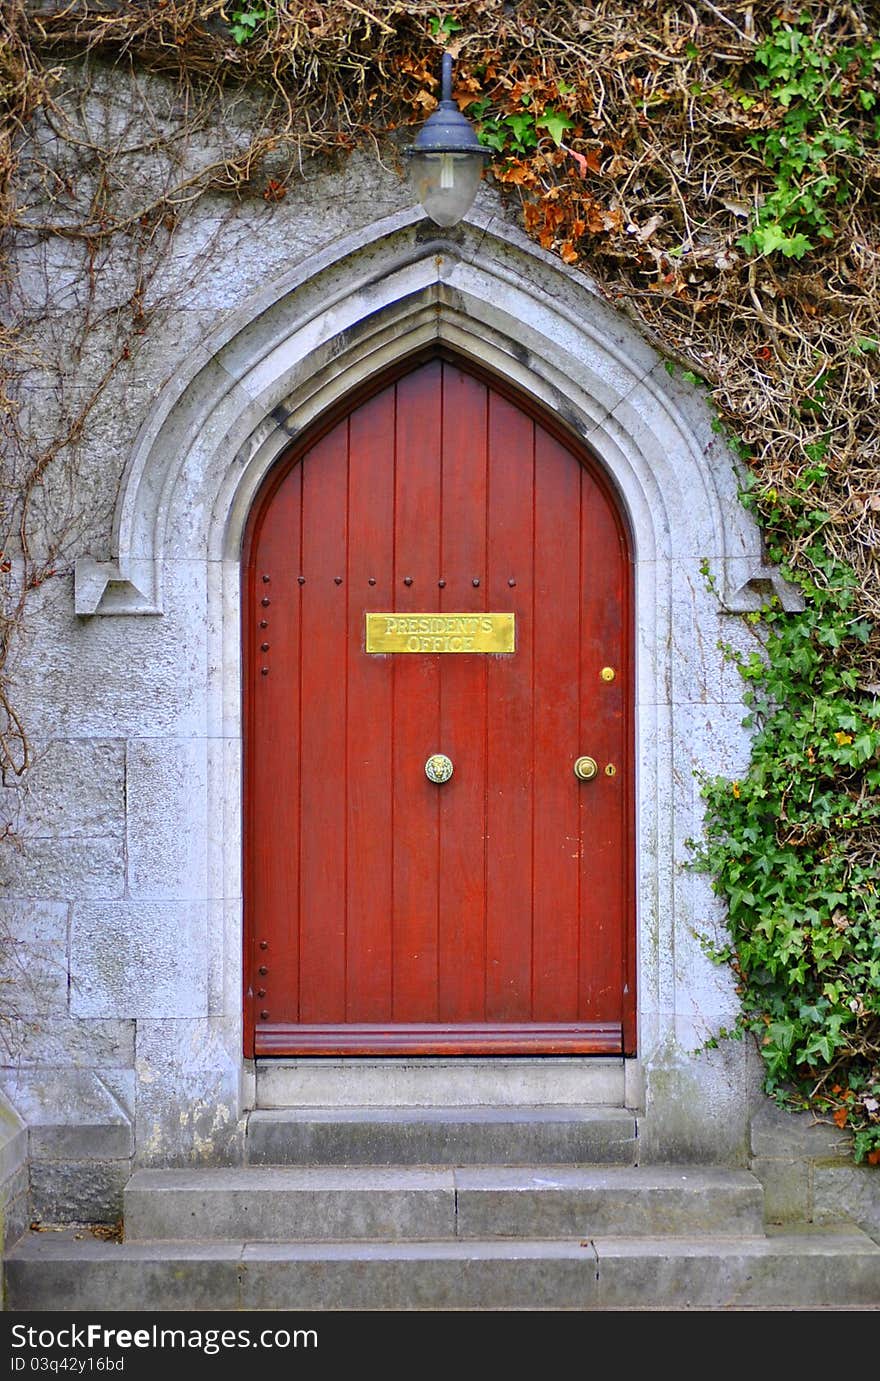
(246, 19)
(791, 847)
(518, 131)
(824, 120)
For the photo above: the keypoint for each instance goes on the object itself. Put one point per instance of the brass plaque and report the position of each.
(441, 632)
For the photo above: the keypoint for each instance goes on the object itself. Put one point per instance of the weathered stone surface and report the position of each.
(441, 1136)
(292, 1204)
(88, 1191)
(446, 1083)
(14, 1207)
(66, 868)
(75, 1042)
(166, 783)
(73, 1272)
(795, 1271)
(73, 790)
(137, 958)
(777, 1134)
(413, 1275)
(697, 1105)
(51, 1271)
(79, 511)
(69, 1114)
(105, 678)
(13, 1141)
(561, 1201)
(188, 1092)
(848, 1191)
(33, 961)
(787, 1191)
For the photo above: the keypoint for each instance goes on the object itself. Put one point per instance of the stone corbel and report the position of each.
(103, 587)
(750, 585)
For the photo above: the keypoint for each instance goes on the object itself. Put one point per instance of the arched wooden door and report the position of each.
(385, 912)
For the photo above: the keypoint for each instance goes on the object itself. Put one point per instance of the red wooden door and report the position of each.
(384, 912)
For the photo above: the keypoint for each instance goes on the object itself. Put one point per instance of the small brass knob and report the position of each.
(438, 768)
(585, 769)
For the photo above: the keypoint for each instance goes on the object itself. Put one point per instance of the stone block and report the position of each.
(62, 1042)
(13, 1141)
(224, 823)
(75, 789)
(69, 1114)
(420, 1276)
(441, 1136)
(14, 1207)
(447, 1083)
(697, 1105)
(33, 960)
(74, 1272)
(564, 1201)
(167, 818)
(291, 1204)
(138, 958)
(104, 677)
(72, 869)
(848, 1191)
(87, 1191)
(789, 1271)
(781, 1135)
(787, 1194)
(106, 427)
(188, 1095)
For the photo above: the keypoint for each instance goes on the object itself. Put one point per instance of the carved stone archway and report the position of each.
(269, 371)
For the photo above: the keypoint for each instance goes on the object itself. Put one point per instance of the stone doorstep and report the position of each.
(296, 1203)
(442, 1136)
(74, 1271)
(402, 1082)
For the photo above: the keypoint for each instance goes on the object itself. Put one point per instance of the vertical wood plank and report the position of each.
(370, 692)
(605, 855)
(556, 727)
(323, 850)
(462, 800)
(509, 775)
(273, 758)
(416, 717)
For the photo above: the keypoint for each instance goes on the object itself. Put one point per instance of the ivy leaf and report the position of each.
(555, 122)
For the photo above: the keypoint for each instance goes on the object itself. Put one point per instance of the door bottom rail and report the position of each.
(438, 1038)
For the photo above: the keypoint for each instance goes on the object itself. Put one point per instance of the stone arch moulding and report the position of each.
(347, 313)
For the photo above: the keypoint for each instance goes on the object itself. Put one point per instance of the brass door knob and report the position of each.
(438, 768)
(585, 769)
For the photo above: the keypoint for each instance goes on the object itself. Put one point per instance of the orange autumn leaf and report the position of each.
(840, 1117)
(874, 1157)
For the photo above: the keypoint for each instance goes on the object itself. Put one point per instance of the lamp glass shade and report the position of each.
(445, 182)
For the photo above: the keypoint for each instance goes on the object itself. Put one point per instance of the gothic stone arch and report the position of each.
(219, 426)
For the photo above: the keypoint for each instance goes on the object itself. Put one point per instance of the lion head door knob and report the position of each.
(438, 768)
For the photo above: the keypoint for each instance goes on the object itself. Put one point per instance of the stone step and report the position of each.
(394, 1203)
(442, 1136)
(462, 1081)
(822, 1269)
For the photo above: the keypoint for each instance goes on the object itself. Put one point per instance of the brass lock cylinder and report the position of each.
(585, 769)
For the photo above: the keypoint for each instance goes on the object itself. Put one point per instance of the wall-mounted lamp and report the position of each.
(446, 162)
